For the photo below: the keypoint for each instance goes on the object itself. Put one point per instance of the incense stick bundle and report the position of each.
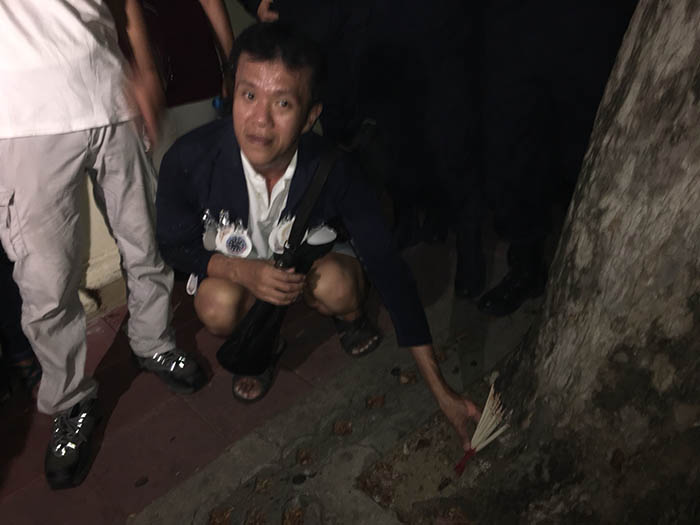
(487, 429)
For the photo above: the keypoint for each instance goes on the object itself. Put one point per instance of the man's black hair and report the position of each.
(269, 41)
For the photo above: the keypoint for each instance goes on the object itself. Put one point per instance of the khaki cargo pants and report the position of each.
(41, 228)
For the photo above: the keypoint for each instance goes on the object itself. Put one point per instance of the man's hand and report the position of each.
(270, 284)
(265, 12)
(144, 82)
(150, 99)
(459, 411)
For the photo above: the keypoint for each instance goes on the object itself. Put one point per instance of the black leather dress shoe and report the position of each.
(515, 288)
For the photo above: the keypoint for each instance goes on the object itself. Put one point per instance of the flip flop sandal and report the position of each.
(357, 334)
(265, 379)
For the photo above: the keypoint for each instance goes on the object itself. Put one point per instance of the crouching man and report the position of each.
(229, 190)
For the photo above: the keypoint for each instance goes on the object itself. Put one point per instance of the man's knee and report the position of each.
(219, 305)
(336, 281)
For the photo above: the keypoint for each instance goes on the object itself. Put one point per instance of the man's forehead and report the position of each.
(250, 67)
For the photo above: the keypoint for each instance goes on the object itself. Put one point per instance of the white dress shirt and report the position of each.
(265, 210)
(61, 68)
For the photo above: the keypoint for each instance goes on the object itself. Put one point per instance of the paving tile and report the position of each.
(194, 338)
(182, 305)
(36, 504)
(303, 337)
(144, 460)
(321, 363)
(127, 394)
(234, 419)
(116, 318)
(100, 343)
(23, 443)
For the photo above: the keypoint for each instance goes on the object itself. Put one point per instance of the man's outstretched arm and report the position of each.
(456, 408)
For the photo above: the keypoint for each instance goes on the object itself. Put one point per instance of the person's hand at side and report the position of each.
(265, 12)
(144, 82)
(150, 99)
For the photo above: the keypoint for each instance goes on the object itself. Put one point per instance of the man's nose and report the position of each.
(262, 114)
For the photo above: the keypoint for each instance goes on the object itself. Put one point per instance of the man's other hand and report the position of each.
(270, 284)
(265, 12)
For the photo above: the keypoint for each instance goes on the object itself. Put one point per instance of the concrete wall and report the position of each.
(101, 257)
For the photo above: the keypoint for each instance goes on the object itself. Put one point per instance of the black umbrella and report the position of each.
(252, 347)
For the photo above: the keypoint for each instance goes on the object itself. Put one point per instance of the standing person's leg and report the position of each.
(124, 185)
(517, 145)
(17, 353)
(40, 185)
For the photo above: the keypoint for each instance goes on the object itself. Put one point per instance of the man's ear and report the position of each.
(312, 117)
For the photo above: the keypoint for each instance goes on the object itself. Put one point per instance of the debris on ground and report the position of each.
(261, 485)
(255, 517)
(342, 427)
(141, 481)
(293, 516)
(422, 443)
(408, 378)
(303, 457)
(375, 402)
(220, 516)
(444, 483)
(377, 483)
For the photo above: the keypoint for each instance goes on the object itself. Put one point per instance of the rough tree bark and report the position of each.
(605, 395)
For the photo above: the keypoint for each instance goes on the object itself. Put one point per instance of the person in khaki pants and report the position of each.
(65, 115)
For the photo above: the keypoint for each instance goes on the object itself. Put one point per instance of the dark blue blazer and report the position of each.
(203, 170)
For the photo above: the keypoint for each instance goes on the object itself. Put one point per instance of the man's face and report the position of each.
(271, 109)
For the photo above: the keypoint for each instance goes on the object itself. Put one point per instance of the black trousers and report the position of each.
(15, 346)
(544, 65)
(404, 64)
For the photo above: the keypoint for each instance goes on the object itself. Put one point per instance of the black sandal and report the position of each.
(357, 334)
(265, 379)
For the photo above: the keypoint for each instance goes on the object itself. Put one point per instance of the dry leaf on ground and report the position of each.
(375, 402)
(293, 516)
(255, 517)
(342, 427)
(408, 378)
(220, 516)
(303, 457)
(261, 485)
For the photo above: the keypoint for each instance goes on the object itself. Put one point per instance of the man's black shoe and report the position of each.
(470, 276)
(177, 369)
(508, 295)
(68, 455)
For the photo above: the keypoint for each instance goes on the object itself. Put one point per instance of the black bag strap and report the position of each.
(309, 199)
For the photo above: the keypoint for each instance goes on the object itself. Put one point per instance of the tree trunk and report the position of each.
(605, 396)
